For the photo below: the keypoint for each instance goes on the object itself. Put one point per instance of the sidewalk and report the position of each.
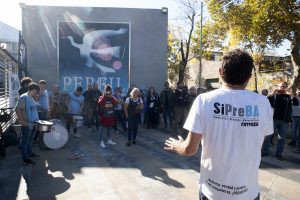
(140, 172)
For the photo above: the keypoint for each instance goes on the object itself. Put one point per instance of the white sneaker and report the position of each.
(111, 142)
(102, 144)
(77, 135)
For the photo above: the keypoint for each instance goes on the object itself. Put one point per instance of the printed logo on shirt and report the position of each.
(228, 189)
(248, 115)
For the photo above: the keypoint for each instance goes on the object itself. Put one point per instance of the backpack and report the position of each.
(132, 109)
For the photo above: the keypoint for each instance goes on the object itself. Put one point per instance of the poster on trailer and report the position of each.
(92, 52)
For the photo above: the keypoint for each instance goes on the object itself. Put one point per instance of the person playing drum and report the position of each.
(43, 100)
(75, 106)
(27, 113)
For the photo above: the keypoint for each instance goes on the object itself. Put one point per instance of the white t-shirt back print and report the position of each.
(233, 124)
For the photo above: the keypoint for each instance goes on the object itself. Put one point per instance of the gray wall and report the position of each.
(148, 59)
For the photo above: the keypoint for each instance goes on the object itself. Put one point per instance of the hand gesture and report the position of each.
(172, 144)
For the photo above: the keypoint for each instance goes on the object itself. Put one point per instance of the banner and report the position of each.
(13, 86)
(93, 52)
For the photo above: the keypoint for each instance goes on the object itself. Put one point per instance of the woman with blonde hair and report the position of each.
(132, 109)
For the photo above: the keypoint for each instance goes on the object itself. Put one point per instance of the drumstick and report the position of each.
(78, 156)
(72, 155)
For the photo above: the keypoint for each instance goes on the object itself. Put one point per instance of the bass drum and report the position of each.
(58, 136)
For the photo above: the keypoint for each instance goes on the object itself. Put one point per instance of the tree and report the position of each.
(173, 54)
(212, 39)
(190, 9)
(262, 24)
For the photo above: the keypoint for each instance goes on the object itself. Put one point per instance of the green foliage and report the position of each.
(212, 38)
(173, 54)
(262, 22)
(259, 24)
(180, 40)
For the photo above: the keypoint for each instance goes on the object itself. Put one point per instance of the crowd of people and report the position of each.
(106, 111)
(110, 111)
(234, 126)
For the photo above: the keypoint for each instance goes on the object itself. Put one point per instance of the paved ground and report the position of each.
(143, 172)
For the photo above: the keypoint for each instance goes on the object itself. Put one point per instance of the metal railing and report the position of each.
(7, 65)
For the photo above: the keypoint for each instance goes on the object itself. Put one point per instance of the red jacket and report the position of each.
(107, 104)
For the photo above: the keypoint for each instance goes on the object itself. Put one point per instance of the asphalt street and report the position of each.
(140, 172)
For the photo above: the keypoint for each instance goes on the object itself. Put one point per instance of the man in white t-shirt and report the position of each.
(231, 124)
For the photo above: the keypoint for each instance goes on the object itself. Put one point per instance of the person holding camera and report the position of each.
(75, 102)
(281, 102)
(107, 119)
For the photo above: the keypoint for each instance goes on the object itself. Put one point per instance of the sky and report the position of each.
(10, 12)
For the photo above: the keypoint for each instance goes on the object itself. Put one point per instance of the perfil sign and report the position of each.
(93, 52)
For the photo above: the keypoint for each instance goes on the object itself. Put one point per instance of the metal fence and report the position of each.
(7, 65)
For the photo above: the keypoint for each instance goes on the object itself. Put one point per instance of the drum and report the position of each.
(77, 121)
(57, 138)
(43, 125)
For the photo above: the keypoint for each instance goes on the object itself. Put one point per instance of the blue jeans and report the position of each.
(296, 130)
(27, 136)
(102, 130)
(89, 111)
(96, 116)
(203, 197)
(69, 122)
(167, 113)
(282, 130)
(133, 124)
(119, 118)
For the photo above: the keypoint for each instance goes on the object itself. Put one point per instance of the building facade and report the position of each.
(128, 46)
(9, 39)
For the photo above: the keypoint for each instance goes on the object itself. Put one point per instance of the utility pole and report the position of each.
(200, 67)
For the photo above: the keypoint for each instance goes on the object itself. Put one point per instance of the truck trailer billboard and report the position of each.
(90, 52)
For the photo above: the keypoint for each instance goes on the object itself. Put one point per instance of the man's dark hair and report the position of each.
(25, 81)
(237, 67)
(33, 86)
(79, 89)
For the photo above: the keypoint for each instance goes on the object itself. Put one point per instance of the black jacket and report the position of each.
(181, 98)
(282, 105)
